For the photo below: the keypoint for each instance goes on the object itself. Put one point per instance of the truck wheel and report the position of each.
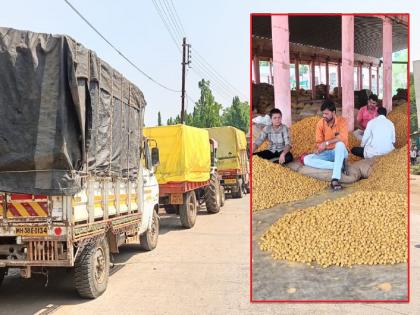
(247, 188)
(188, 211)
(222, 196)
(149, 239)
(212, 195)
(92, 270)
(171, 209)
(238, 193)
(3, 273)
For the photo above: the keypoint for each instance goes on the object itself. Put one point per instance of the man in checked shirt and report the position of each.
(278, 138)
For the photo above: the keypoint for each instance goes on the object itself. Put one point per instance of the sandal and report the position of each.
(335, 185)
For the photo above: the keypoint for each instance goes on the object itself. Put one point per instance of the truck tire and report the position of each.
(247, 188)
(171, 209)
(238, 193)
(188, 211)
(212, 195)
(149, 239)
(246, 184)
(222, 196)
(92, 269)
(3, 272)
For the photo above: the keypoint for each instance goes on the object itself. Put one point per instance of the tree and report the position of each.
(159, 119)
(206, 112)
(170, 121)
(237, 115)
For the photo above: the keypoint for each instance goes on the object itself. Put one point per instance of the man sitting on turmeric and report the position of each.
(331, 144)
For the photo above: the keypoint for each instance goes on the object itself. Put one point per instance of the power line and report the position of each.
(117, 50)
(217, 73)
(177, 18)
(207, 65)
(215, 79)
(205, 68)
(218, 90)
(167, 25)
(173, 19)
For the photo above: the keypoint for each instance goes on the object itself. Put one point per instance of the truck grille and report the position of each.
(44, 250)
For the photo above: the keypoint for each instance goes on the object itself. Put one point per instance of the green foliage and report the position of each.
(207, 112)
(399, 71)
(159, 119)
(413, 109)
(237, 115)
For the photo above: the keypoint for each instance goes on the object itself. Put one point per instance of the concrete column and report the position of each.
(347, 56)
(281, 60)
(387, 70)
(313, 78)
(377, 80)
(297, 73)
(257, 77)
(370, 77)
(297, 79)
(339, 78)
(327, 79)
(360, 76)
(271, 71)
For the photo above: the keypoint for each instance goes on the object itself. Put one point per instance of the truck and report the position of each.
(76, 172)
(187, 172)
(232, 159)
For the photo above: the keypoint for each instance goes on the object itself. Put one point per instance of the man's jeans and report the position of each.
(329, 159)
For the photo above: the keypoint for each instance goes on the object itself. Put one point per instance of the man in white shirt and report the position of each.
(378, 138)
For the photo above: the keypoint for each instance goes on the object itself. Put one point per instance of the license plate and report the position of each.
(177, 199)
(32, 230)
(230, 181)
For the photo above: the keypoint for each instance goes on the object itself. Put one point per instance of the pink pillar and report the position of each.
(327, 79)
(387, 70)
(377, 80)
(281, 59)
(370, 77)
(339, 78)
(257, 77)
(347, 56)
(313, 78)
(360, 76)
(271, 71)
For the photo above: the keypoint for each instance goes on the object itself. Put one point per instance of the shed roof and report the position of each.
(325, 32)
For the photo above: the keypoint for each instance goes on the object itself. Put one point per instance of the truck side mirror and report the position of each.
(155, 156)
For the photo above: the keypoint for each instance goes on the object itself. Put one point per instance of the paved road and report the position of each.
(205, 268)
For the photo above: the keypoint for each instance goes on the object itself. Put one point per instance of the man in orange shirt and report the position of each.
(331, 144)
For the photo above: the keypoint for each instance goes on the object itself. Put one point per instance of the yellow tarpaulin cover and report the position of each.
(231, 141)
(184, 153)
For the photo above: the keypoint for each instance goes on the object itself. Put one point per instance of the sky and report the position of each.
(218, 30)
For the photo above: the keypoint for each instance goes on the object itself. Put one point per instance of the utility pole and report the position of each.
(185, 61)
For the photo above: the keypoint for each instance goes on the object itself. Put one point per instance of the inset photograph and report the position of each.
(329, 157)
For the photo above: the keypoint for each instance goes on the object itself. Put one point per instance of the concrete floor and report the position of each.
(282, 280)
